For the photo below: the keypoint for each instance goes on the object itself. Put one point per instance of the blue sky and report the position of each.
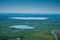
(29, 6)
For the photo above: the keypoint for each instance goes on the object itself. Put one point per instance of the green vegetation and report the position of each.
(58, 35)
(42, 29)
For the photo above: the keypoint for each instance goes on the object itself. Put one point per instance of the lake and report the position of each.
(22, 27)
(29, 18)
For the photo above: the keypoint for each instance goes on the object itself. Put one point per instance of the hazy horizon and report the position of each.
(30, 6)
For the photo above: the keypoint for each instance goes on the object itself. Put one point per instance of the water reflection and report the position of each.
(22, 27)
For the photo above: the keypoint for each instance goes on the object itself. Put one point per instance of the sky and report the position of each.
(29, 6)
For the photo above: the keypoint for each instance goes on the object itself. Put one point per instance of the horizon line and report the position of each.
(30, 13)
